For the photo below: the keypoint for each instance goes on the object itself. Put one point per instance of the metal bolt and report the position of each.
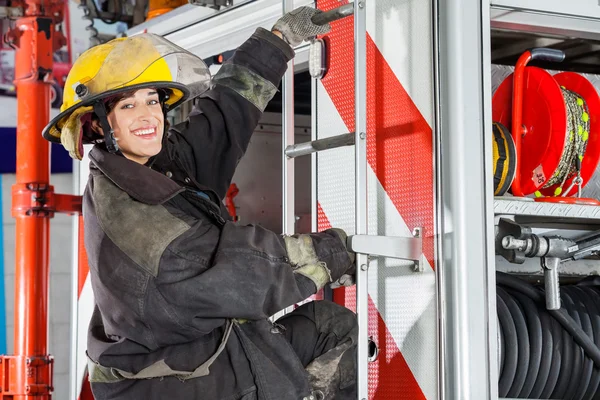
(361, 4)
(362, 135)
(363, 267)
(81, 90)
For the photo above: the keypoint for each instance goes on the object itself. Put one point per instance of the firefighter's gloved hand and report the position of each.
(349, 277)
(318, 257)
(297, 26)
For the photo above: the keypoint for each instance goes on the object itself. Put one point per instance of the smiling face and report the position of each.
(138, 123)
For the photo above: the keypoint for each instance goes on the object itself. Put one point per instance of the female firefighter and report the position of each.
(183, 295)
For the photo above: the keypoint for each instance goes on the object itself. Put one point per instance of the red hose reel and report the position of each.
(531, 102)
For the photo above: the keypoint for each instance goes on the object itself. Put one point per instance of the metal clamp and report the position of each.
(37, 382)
(39, 200)
(403, 248)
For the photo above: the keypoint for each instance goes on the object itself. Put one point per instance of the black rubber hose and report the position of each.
(586, 323)
(522, 343)
(540, 353)
(510, 349)
(556, 360)
(575, 352)
(589, 347)
(567, 353)
(534, 327)
(595, 316)
(502, 345)
(546, 362)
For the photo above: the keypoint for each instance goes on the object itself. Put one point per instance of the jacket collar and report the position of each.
(138, 181)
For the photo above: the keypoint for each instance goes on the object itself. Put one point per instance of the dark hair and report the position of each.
(112, 101)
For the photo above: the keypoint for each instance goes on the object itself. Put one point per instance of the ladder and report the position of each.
(364, 245)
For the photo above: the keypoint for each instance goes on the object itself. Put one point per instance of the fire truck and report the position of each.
(458, 143)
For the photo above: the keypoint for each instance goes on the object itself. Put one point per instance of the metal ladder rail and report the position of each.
(361, 195)
(405, 248)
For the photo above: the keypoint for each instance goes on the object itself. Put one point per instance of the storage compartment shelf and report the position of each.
(548, 212)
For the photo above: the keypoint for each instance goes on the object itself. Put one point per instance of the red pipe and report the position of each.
(33, 61)
(518, 130)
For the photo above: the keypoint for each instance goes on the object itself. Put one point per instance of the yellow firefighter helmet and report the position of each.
(121, 65)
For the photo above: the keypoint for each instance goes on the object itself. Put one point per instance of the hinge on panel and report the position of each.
(39, 200)
(403, 248)
(35, 379)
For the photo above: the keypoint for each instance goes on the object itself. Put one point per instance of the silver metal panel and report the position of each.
(531, 266)
(548, 212)
(587, 9)
(464, 189)
(490, 300)
(182, 17)
(362, 262)
(259, 173)
(207, 35)
(518, 19)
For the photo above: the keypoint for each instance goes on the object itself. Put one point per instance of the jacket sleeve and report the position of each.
(249, 276)
(211, 142)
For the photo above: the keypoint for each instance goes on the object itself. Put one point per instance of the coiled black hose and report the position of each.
(548, 354)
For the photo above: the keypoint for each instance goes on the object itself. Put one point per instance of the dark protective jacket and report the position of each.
(182, 292)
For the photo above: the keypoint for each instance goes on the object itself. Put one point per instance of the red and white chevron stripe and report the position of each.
(401, 182)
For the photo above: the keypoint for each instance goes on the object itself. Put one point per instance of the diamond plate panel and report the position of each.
(547, 210)
(500, 72)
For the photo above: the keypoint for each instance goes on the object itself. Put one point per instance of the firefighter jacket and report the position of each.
(182, 293)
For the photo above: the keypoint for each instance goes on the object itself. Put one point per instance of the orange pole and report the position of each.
(31, 372)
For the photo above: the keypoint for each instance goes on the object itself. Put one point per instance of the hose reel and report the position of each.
(555, 127)
(541, 355)
(548, 336)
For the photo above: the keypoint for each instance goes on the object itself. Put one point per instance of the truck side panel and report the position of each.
(400, 102)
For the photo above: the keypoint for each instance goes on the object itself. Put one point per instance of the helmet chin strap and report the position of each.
(109, 134)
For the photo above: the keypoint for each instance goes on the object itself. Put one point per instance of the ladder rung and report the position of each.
(303, 149)
(404, 248)
(333, 15)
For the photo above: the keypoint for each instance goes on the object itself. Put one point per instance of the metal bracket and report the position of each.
(39, 200)
(403, 248)
(38, 380)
